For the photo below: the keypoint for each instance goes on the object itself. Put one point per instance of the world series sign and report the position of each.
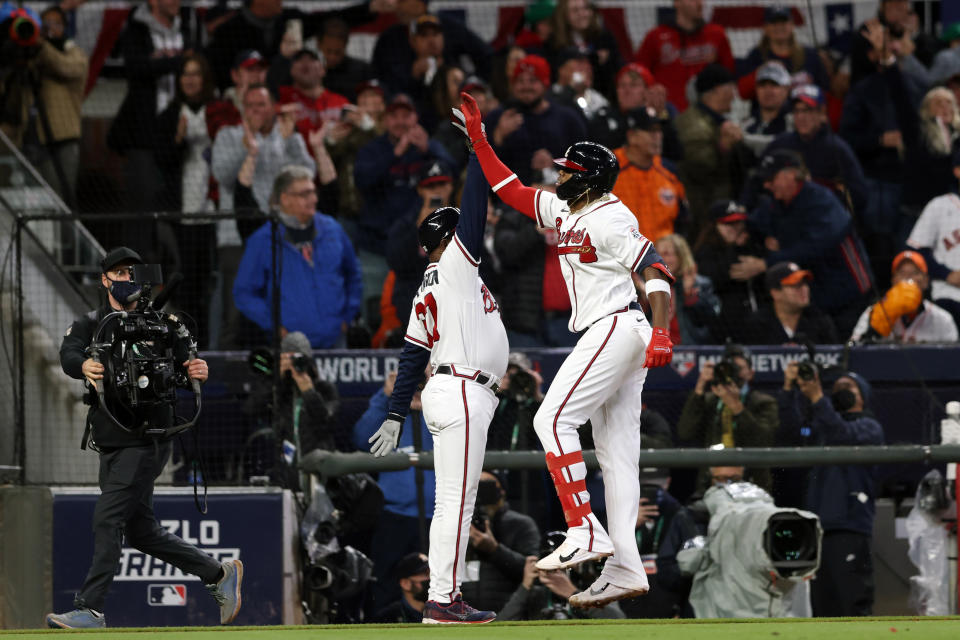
(253, 525)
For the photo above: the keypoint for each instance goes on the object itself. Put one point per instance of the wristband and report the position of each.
(657, 284)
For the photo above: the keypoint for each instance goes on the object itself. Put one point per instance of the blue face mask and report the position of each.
(124, 291)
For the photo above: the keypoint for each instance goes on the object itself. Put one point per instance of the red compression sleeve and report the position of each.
(505, 182)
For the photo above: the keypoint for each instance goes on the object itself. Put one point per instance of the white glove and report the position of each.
(385, 439)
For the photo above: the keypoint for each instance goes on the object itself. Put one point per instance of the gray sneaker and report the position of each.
(227, 591)
(76, 619)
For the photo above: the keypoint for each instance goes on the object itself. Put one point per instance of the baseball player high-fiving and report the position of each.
(602, 378)
(455, 325)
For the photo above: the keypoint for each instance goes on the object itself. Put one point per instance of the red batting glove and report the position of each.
(470, 117)
(660, 349)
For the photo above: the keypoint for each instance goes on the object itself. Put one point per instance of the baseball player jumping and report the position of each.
(602, 378)
(455, 325)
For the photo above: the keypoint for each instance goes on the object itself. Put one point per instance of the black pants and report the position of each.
(844, 583)
(125, 507)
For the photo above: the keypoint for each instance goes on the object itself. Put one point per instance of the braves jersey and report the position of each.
(938, 229)
(932, 324)
(598, 249)
(455, 316)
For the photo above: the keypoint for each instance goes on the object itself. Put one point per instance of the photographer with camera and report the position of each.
(544, 595)
(41, 92)
(132, 457)
(500, 541)
(304, 420)
(842, 495)
(724, 410)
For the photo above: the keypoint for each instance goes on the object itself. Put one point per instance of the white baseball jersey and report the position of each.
(455, 316)
(933, 324)
(938, 228)
(598, 249)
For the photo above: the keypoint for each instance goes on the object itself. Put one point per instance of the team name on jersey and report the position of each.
(430, 277)
(577, 241)
(951, 240)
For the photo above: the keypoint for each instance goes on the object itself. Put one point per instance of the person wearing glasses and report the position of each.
(320, 281)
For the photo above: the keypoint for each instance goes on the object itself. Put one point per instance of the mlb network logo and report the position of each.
(167, 595)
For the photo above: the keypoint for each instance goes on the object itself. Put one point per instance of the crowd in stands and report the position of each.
(798, 195)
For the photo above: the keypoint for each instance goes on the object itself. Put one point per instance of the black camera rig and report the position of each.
(140, 364)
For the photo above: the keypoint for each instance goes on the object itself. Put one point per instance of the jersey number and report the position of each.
(427, 313)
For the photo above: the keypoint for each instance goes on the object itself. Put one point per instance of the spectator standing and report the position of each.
(412, 574)
(344, 72)
(270, 28)
(724, 409)
(443, 94)
(890, 23)
(386, 173)
(929, 140)
(694, 308)
(183, 152)
(711, 164)
(936, 235)
(398, 530)
(249, 68)
(394, 55)
(769, 113)
(679, 50)
(842, 496)
(356, 128)
(501, 539)
(827, 156)
(635, 89)
(61, 70)
(791, 319)
(903, 315)
(578, 25)
(718, 249)
(318, 104)
(779, 43)
(319, 279)
(529, 132)
(152, 43)
(806, 224)
(575, 82)
(651, 191)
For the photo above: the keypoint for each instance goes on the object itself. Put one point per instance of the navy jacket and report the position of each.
(389, 186)
(842, 495)
(399, 487)
(554, 130)
(816, 232)
(315, 299)
(830, 160)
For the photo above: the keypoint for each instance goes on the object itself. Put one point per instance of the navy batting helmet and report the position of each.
(437, 226)
(591, 165)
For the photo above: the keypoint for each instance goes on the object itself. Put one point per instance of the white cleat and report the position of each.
(568, 554)
(601, 593)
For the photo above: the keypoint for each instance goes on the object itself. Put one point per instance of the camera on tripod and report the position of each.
(139, 358)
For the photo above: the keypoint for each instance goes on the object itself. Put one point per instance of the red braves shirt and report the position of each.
(675, 56)
(314, 111)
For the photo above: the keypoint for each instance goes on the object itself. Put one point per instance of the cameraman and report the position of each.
(49, 81)
(305, 418)
(731, 413)
(842, 495)
(500, 541)
(130, 463)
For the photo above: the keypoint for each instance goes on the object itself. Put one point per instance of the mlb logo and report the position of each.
(683, 363)
(167, 595)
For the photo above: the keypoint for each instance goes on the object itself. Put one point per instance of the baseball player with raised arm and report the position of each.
(455, 325)
(602, 378)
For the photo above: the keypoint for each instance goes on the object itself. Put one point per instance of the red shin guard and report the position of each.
(567, 491)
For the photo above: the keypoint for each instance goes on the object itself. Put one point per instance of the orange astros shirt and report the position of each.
(653, 195)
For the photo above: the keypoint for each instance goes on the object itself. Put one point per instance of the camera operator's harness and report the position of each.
(140, 376)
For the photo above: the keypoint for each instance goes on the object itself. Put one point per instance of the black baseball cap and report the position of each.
(712, 76)
(411, 565)
(776, 13)
(727, 211)
(117, 255)
(644, 118)
(248, 58)
(786, 274)
(434, 172)
(777, 160)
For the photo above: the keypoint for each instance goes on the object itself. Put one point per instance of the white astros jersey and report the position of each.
(455, 316)
(938, 229)
(598, 249)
